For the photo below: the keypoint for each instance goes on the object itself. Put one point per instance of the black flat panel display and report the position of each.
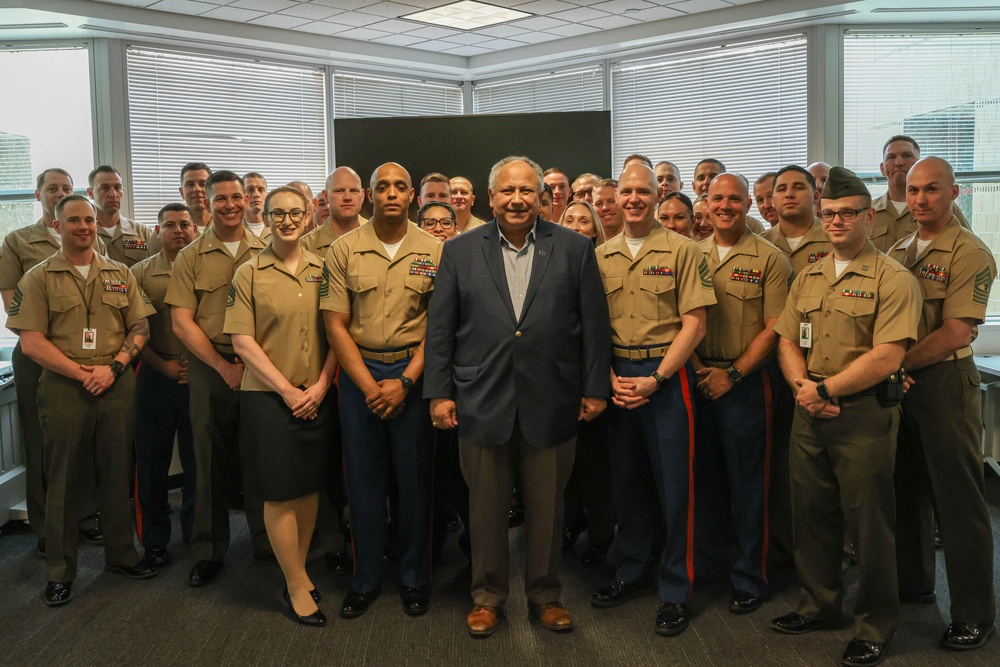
(575, 142)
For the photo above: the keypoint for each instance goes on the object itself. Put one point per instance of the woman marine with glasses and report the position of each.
(437, 218)
(273, 317)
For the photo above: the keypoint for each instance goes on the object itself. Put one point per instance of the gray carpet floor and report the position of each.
(241, 619)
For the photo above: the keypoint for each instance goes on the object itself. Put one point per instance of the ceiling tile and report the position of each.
(434, 32)
(183, 7)
(362, 34)
(142, 3)
(433, 45)
(501, 44)
(541, 36)
(352, 19)
(545, 6)
(468, 38)
(266, 6)
(573, 29)
(502, 30)
(344, 4)
(622, 6)
(388, 9)
(655, 14)
(538, 23)
(312, 11)
(610, 22)
(468, 51)
(280, 21)
(398, 40)
(695, 6)
(426, 4)
(232, 14)
(396, 25)
(579, 15)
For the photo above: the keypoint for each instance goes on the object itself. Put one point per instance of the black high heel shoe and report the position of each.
(315, 619)
(316, 595)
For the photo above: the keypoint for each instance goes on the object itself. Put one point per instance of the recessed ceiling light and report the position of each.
(466, 15)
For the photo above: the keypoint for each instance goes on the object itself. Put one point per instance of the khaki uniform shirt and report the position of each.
(281, 311)
(751, 285)
(955, 274)
(813, 247)
(201, 277)
(319, 240)
(888, 228)
(153, 276)
(473, 223)
(387, 299)
(27, 247)
(54, 299)
(129, 242)
(265, 233)
(874, 301)
(647, 295)
(755, 225)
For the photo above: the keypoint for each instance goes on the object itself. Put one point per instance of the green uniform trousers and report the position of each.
(841, 471)
(77, 429)
(939, 470)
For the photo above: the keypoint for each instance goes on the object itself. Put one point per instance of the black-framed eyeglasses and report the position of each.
(431, 223)
(846, 214)
(278, 215)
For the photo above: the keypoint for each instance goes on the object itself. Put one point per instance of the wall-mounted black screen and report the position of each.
(576, 142)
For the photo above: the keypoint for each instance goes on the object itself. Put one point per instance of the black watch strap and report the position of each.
(406, 382)
(117, 367)
(660, 380)
(823, 392)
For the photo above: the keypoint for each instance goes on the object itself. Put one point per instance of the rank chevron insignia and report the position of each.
(231, 299)
(324, 285)
(705, 274)
(15, 304)
(980, 291)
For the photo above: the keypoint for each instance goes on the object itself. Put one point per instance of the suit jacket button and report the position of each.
(517, 334)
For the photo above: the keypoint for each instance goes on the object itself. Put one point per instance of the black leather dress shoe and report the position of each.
(619, 592)
(594, 556)
(860, 653)
(92, 536)
(158, 556)
(918, 598)
(317, 619)
(355, 604)
(57, 593)
(515, 517)
(140, 570)
(339, 562)
(796, 624)
(204, 572)
(416, 601)
(967, 636)
(742, 602)
(570, 536)
(671, 619)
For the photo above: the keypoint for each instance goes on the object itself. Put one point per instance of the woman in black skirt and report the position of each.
(285, 417)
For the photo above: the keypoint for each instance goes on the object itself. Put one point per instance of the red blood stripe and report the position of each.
(682, 375)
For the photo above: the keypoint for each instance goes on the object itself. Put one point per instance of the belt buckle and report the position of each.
(636, 355)
(387, 357)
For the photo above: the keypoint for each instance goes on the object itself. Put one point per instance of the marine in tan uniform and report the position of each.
(194, 175)
(893, 219)
(798, 233)
(23, 249)
(668, 178)
(658, 285)
(378, 281)
(561, 192)
(939, 466)
(197, 294)
(434, 187)
(304, 188)
(844, 332)
(763, 193)
(253, 217)
(345, 195)
(162, 397)
(82, 318)
(462, 199)
(125, 241)
(736, 386)
(608, 210)
(286, 415)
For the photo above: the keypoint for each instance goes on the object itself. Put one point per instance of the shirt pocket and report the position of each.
(418, 294)
(855, 323)
(751, 305)
(657, 300)
(112, 317)
(363, 294)
(615, 295)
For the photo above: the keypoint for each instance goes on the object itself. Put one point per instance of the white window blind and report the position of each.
(365, 96)
(944, 91)
(741, 103)
(229, 113)
(579, 89)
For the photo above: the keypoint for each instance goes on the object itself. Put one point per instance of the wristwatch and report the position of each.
(734, 374)
(406, 382)
(117, 367)
(660, 380)
(823, 392)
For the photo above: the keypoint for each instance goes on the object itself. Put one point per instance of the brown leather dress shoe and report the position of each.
(483, 620)
(552, 615)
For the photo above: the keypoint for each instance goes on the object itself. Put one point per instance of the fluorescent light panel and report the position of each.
(466, 15)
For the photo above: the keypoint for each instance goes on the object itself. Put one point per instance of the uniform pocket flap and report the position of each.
(210, 283)
(361, 283)
(421, 284)
(613, 283)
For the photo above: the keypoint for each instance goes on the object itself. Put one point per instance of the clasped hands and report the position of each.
(445, 417)
(812, 402)
(386, 398)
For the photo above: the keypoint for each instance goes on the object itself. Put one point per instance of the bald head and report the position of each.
(391, 193)
(820, 171)
(344, 195)
(302, 187)
(388, 166)
(930, 192)
(342, 175)
(937, 167)
(639, 170)
(730, 181)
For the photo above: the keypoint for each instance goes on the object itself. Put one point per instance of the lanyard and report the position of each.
(83, 296)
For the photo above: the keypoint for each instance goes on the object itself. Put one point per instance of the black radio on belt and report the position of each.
(889, 392)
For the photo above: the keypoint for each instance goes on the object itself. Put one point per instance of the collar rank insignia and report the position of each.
(933, 272)
(816, 256)
(745, 275)
(657, 271)
(315, 278)
(135, 244)
(423, 267)
(858, 294)
(119, 286)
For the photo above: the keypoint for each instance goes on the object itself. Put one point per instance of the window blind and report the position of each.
(230, 113)
(579, 89)
(366, 96)
(741, 103)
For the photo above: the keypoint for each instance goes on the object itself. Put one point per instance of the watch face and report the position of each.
(734, 375)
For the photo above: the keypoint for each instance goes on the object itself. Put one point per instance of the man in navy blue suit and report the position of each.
(518, 351)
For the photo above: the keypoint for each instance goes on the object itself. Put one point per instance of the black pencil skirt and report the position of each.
(290, 456)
